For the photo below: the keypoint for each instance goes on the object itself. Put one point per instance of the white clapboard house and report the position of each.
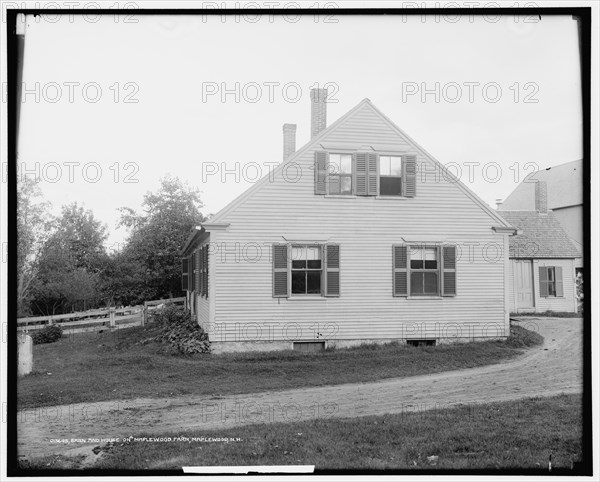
(359, 236)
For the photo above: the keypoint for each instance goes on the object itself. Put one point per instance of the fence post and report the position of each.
(145, 313)
(111, 318)
(24, 354)
(50, 321)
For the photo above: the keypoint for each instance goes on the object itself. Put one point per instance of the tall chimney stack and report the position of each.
(289, 140)
(541, 197)
(318, 111)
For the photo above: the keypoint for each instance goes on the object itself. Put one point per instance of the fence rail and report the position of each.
(94, 320)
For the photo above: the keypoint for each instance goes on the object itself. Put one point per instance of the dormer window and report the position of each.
(340, 173)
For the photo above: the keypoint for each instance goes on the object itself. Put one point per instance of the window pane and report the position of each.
(313, 252)
(430, 264)
(298, 252)
(416, 283)
(390, 186)
(384, 165)
(334, 163)
(430, 283)
(298, 264)
(298, 282)
(313, 282)
(550, 274)
(552, 288)
(345, 164)
(430, 253)
(334, 184)
(346, 187)
(395, 166)
(316, 264)
(416, 264)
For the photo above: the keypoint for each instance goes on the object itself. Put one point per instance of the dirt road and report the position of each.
(554, 368)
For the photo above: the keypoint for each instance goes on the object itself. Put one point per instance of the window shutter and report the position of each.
(201, 271)
(543, 281)
(332, 270)
(400, 264)
(193, 272)
(559, 281)
(184, 274)
(410, 176)
(449, 270)
(198, 270)
(205, 274)
(360, 175)
(373, 174)
(280, 271)
(321, 171)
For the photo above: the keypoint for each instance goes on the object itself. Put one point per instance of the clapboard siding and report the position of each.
(568, 302)
(365, 228)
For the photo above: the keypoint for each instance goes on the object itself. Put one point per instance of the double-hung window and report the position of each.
(390, 175)
(340, 173)
(424, 271)
(307, 270)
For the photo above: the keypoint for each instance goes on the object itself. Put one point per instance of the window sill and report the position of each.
(425, 297)
(306, 298)
(399, 198)
(340, 196)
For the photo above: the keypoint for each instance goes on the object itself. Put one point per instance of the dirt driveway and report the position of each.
(554, 368)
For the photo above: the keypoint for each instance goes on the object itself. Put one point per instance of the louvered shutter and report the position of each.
(410, 176)
(360, 173)
(280, 270)
(200, 271)
(193, 272)
(184, 274)
(373, 173)
(400, 265)
(449, 270)
(332, 270)
(543, 281)
(205, 274)
(321, 171)
(559, 281)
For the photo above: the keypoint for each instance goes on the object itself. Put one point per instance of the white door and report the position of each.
(524, 280)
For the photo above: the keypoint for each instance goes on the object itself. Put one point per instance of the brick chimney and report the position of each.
(541, 197)
(318, 111)
(289, 140)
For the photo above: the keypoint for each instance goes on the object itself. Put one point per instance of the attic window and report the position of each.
(390, 175)
(340, 174)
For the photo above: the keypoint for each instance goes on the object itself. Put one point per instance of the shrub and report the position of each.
(49, 334)
(180, 331)
(521, 337)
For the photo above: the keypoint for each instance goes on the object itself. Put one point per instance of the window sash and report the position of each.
(306, 250)
(420, 253)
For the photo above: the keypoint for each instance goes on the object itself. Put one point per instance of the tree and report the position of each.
(33, 230)
(70, 263)
(156, 236)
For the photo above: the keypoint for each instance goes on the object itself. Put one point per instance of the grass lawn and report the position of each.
(108, 366)
(517, 435)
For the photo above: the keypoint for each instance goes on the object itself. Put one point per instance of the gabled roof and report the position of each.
(542, 236)
(564, 183)
(221, 215)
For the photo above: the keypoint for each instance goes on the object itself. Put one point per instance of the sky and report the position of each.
(113, 104)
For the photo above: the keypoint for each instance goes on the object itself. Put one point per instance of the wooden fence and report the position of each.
(95, 320)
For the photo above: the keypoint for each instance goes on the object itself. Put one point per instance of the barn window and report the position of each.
(390, 175)
(340, 174)
(551, 281)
